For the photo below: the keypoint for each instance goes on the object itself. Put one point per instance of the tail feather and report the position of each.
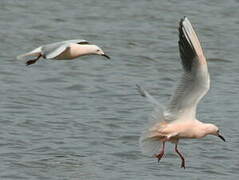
(35, 52)
(149, 145)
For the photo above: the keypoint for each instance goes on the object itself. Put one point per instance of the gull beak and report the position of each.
(222, 138)
(105, 56)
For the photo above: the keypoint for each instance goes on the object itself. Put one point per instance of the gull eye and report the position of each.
(97, 50)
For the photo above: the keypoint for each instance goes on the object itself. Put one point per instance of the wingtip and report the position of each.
(20, 57)
(184, 19)
(138, 86)
(141, 90)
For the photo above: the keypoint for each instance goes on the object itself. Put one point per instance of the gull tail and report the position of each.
(35, 52)
(149, 144)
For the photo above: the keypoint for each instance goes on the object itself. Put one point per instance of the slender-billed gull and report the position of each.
(178, 120)
(69, 49)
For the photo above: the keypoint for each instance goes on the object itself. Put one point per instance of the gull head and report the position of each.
(214, 130)
(98, 51)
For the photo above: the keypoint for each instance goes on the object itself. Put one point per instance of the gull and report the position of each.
(69, 49)
(178, 119)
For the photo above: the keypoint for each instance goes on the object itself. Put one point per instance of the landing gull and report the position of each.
(178, 119)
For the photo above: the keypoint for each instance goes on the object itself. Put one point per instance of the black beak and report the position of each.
(105, 56)
(220, 136)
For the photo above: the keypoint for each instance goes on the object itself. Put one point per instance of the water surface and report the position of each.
(82, 119)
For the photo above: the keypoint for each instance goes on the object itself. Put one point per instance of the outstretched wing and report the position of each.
(148, 144)
(51, 51)
(145, 94)
(78, 41)
(195, 80)
(157, 114)
(35, 52)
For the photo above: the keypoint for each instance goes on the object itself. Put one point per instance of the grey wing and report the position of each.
(77, 41)
(35, 52)
(147, 144)
(157, 114)
(144, 93)
(195, 80)
(51, 51)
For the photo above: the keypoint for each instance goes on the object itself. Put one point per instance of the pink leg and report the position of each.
(181, 156)
(160, 155)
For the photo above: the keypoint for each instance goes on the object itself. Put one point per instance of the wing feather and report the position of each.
(194, 83)
(149, 145)
(157, 114)
(35, 52)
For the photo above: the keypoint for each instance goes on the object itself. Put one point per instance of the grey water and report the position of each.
(81, 119)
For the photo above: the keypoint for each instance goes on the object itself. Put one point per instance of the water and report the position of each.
(82, 119)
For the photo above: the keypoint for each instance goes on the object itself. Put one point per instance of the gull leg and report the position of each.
(181, 156)
(32, 61)
(160, 155)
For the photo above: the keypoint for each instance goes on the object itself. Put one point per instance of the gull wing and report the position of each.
(78, 41)
(51, 51)
(144, 93)
(35, 52)
(147, 144)
(195, 80)
(157, 114)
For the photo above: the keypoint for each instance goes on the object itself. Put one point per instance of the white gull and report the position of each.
(69, 49)
(178, 120)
